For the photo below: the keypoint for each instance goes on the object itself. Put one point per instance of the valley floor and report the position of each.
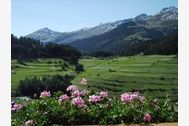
(153, 75)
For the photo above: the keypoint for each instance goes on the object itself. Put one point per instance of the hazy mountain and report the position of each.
(142, 28)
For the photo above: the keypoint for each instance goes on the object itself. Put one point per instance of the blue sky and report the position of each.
(67, 15)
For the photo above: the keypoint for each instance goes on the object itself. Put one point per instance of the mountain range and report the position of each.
(115, 36)
(47, 35)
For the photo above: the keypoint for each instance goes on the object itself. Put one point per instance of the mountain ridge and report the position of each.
(142, 28)
(47, 35)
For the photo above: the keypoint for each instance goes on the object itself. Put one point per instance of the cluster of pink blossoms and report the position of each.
(103, 94)
(45, 94)
(29, 123)
(94, 98)
(72, 88)
(79, 102)
(76, 93)
(63, 98)
(147, 117)
(16, 107)
(77, 96)
(129, 97)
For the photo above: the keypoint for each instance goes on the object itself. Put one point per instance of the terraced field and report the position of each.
(153, 75)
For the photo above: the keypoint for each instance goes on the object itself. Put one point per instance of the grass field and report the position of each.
(153, 75)
(42, 67)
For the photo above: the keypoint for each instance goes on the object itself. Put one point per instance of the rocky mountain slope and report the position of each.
(141, 28)
(116, 36)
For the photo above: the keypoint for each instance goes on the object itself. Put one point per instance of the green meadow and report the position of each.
(153, 75)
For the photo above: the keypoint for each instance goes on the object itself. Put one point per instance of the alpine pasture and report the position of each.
(153, 75)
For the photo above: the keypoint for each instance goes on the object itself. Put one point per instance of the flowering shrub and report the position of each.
(94, 99)
(76, 93)
(45, 94)
(103, 94)
(129, 97)
(72, 88)
(63, 98)
(16, 107)
(79, 102)
(147, 118)
(81, 107)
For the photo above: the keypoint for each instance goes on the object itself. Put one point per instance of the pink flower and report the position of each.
(45, 94)
(83, 81)
(129, 97)
(147, 118)
(94, 98)
(63, 98)
(16, 107)
(135, 95)
(76, 93)
(79, 102)
(72, 88)
(104, 94)
(126, 97)
(29, 123)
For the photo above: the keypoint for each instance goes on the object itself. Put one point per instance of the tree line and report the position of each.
(27, 48)
(163, 46)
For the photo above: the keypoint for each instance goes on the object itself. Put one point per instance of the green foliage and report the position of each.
(79, 68)
(21, 62)
(30, 86)
(101, 54)
(110, 70)
(64, 66)
(34, 85)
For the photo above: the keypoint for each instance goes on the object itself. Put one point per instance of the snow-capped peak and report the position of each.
(46, 29)
(141, 17)
(168, 13)
(169, 9)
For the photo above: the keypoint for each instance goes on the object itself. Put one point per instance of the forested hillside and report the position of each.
(27, 48)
